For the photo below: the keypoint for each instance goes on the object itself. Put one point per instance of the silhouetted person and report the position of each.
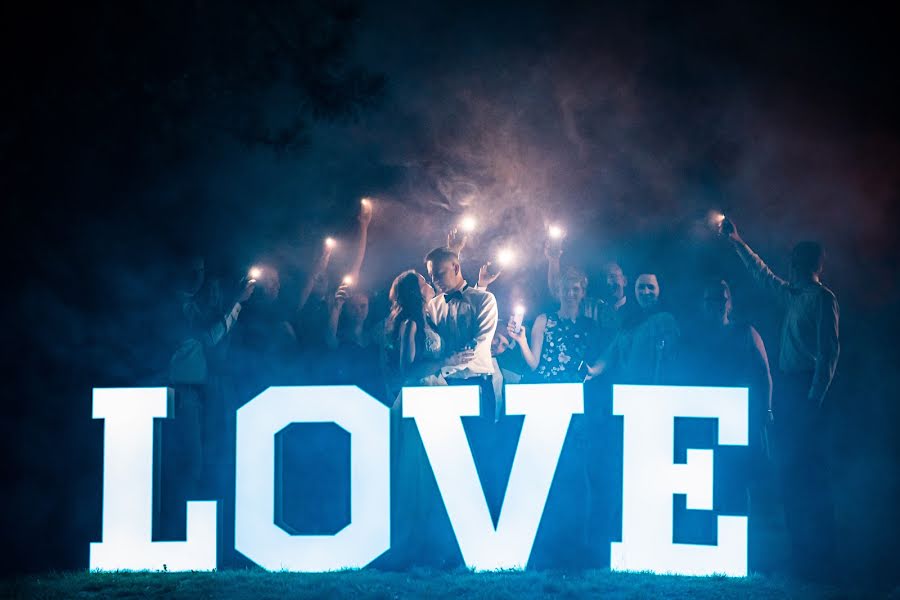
(808, 357)
(644, 349)
(194, 444)
(718, 351)
(266, 349)
(313, 310)
(724, 352)
(352, 343)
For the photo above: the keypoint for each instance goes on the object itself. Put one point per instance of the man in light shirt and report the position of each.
(464, 317)
(808, 357)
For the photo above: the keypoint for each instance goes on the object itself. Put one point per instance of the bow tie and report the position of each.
(455, 295)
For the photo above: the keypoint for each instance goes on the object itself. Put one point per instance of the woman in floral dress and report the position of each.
(560, 341)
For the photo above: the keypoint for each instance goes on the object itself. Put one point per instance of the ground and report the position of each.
(260, 585)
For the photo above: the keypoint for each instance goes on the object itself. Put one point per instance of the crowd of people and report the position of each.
(442, 331)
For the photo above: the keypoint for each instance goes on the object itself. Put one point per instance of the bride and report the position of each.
(412, 356)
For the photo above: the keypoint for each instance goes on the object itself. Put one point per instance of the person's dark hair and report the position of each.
(440, 255)
(406, 303)
(808, 257)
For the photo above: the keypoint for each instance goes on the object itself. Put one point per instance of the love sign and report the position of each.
(651, 477)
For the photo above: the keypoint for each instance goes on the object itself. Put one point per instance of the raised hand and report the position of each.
(517, 336)
(485, 277)
(249, 286)
(552, 251)
(365, 212)
(456, 241)
(728, 229)
(342, 294)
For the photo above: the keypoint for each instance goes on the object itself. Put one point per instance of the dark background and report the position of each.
(136, 133)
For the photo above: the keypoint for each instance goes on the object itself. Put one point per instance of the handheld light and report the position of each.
(468, 223)
(518, 315)
(505, 257)
(715, 218)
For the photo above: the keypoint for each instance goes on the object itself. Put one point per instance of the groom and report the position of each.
(466, 318)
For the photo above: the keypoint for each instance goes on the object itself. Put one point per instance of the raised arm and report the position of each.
(336, 306)
(318, 270)
(553, 255)
(755, 265)
(363, 219)
(530, 352)
(828, 347)
(214, 334)
(486, 277)
(456, 241)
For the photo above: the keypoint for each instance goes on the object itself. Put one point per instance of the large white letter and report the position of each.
(128, 491)
(369, 533)
(650, 478)
(548, 408)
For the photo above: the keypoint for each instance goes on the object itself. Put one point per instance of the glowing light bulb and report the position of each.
(556, 232)
(330, 243)
(255, 273)
(505, 257)
(467, 224)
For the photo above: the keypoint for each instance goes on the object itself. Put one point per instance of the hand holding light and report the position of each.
(485, 277)
(457, 241)
(515, 320)
(365, 211)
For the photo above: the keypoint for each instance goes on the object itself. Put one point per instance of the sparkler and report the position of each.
(468, 224)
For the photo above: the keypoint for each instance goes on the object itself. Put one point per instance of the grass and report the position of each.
(369, 583)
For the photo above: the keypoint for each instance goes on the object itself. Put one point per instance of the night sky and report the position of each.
(135, 134)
